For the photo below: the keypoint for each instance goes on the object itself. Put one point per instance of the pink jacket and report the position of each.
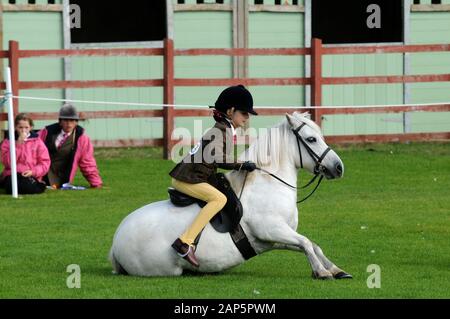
(84, 159)
(31, 155)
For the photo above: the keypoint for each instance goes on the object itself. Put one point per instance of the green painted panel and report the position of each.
(26, 1)
(272, 2)
(27, 28)
(422, 31)
(108, 129)
(125, 129)
(430, 28)
(362, 65)
(276, 30)
(195, 1)
(201, 30)
(204, 67)
(430, 122)
(119, 68)
(286, 66)
(197, 96)
(277, 96)
(361, 94)
(193, 127)
(363, 124)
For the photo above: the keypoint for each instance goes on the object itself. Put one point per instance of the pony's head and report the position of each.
(313, 153)
(297, 142)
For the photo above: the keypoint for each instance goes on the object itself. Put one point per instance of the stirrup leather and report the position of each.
(187, 253)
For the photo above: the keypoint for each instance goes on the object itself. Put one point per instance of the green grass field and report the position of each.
(392, 209)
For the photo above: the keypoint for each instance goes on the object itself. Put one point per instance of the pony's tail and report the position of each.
(117, 268)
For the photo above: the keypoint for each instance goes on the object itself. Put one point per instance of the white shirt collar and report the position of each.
(233, 130)
(63, 133)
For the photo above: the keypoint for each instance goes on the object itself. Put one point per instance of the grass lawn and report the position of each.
(392, 209)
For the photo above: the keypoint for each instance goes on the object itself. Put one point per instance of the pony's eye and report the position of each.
(311, 139)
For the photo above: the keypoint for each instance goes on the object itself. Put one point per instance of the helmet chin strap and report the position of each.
(230, 118)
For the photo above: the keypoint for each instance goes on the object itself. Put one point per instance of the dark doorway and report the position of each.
(337, 22)
(111, 21)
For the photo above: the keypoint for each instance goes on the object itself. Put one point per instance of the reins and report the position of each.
(294, 187)
(243, 185)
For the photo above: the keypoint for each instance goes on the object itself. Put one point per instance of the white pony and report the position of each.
(142, 242)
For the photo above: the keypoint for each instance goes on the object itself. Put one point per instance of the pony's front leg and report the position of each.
(282, 234)
(337, 272)
(330, 266)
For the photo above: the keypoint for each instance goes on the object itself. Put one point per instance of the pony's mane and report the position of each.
(269, 149)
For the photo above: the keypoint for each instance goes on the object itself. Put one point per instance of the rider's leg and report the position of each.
(215, 202)
(205, 192)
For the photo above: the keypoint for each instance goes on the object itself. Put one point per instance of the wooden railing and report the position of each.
(169, 82)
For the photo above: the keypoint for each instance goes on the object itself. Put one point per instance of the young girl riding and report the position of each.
(215, 150)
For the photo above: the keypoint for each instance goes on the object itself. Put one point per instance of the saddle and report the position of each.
(225, 221)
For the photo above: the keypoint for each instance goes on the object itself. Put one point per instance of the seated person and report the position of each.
(69, 148)
(33, 160)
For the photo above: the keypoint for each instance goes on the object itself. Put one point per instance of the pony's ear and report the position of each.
(290, 119)
(296, 114)
(300, 116)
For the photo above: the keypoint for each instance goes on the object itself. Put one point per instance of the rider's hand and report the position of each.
(248, 166)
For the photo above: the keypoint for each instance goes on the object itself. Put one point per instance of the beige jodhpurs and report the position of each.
(207, 193)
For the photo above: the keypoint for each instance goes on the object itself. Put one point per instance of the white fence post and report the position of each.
(11, 128)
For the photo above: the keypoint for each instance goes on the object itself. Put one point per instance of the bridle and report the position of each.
(318, 168)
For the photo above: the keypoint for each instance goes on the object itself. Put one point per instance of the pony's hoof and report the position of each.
(321, 277)
(343, 275)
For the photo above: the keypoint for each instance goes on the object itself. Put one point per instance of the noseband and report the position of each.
(318, 168)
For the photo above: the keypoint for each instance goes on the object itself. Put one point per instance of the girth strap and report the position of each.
(240, 239)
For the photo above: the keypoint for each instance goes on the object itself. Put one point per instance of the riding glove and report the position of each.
(248, 166)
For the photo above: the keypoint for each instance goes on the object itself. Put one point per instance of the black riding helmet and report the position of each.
(235, 96)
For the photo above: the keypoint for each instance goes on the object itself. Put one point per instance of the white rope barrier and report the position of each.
(207, 106)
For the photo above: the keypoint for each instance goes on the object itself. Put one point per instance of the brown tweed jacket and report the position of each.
(215, 150)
